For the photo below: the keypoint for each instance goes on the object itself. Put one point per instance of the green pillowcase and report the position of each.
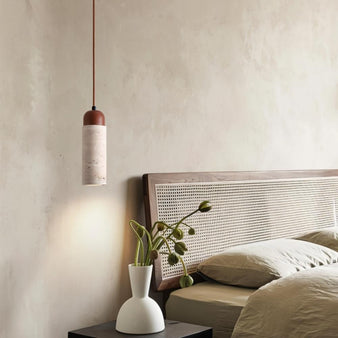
(328, 238)
(256, 264)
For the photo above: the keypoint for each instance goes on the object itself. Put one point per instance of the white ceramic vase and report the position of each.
(140, 314)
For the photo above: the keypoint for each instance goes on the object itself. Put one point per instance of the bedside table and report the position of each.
(173, 329)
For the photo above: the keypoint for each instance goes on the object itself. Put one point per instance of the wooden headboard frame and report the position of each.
(247, 207)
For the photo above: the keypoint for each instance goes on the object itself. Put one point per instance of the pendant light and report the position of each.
(94, 147)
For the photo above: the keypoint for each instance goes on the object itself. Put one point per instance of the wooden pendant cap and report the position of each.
(94, 117)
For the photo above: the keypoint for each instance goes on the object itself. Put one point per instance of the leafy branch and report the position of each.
(162, 234)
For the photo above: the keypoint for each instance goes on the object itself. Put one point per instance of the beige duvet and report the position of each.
(304, 304)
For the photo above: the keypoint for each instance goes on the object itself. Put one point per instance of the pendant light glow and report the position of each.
(94, 148)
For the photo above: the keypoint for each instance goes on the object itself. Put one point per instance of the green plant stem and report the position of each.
(137, 252)
(184, 267)
(140, 247)
(164, 242)
(154, 225)
(155, 247)
(165, 230)
(181, 221)
(185, 217)
(187, 225)
(172, 240)
(150, 247)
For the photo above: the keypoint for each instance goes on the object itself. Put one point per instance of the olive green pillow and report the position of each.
(256, 264)
(328, 238)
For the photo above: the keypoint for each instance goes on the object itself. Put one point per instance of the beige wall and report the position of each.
(186, 85)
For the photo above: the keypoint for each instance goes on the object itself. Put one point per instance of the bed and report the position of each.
(249, 208)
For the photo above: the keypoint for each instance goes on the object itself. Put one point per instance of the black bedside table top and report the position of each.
(173, 329)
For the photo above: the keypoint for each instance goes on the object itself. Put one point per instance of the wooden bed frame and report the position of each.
(247, 207)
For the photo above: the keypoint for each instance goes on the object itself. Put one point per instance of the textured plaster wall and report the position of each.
(186, 85)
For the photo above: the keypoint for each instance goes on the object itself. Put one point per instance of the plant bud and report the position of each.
(204, 206)
(154, 254)
(178, 233)
(160, 226)
(191, 231)
(180, 247)
(173, 258)
(186, 281)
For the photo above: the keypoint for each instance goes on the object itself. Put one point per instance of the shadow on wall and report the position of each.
(134, 210)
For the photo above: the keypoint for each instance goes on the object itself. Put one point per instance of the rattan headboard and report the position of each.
(247, 207)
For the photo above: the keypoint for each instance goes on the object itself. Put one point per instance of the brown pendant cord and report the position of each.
(93, 55)
(93, 116)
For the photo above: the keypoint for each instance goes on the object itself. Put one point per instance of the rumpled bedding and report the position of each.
(304, 304)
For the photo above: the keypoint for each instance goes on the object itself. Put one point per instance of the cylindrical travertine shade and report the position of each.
(94, 150)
